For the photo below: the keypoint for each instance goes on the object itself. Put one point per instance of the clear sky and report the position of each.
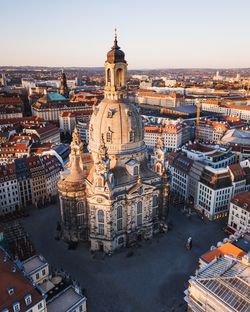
(153, 34)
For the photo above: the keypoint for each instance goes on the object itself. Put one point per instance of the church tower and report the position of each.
(72, 194)
(115, 73)
(63, 85)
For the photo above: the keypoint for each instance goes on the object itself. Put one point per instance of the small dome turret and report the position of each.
(116, 55)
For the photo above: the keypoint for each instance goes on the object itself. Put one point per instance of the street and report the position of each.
(149, 277)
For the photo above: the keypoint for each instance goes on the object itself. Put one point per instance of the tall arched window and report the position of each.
(119, 218)
(80, 213)
(155, 206)
(100, 219)
(108, 75)
(119, 77)
(139, 213)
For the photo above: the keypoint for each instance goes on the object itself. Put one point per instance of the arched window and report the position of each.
(136, 171)
(100, 218)
(80, 207)
(155, 200)
(108, 75)
(109, 136)
(131, 136)
(155, 209)
(139, 213)
(119, 77)
(119, 218)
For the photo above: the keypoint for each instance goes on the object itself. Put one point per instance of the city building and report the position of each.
(179, 167)
(67, 300)
(68, 120)
(174, 134)
(221, 285)
(239, 212)
(214, 192)
(159, 100)
(11, 107)
(210, 131)
(48, 133)
(18, 293)
(9, 196)
(24, 182)
(214, 156)
(118, 195)
(36, 268)
(52, 104)
(227, 248)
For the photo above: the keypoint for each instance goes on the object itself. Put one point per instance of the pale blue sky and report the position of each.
(153, 34)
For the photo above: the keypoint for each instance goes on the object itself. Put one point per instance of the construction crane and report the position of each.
(198, 113)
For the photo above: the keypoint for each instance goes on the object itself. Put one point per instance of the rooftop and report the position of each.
(11, 277)
(228, 281)
(34, 263)
(225, 249)
(65, 300)
(242, 200)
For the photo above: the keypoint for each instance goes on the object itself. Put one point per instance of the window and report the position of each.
(119, 218)
(16, 307)
(139, 213)
(100, 217)
(136, 171)
(108, 75)
(155, 200)
(101, 228)
(131, 136)
(43, 272)
(40, 305)
(28, 299)
(108, 137)
(37, 275)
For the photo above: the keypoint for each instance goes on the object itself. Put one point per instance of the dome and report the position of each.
(116, 55)
(119, 125)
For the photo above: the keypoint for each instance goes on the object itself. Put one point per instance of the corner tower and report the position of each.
(115, 73)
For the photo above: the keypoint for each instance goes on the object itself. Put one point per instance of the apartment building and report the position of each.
(68, 120)
(211, 131)
(179, 167)
(18, 293)
(173, 134)
(239, 212)
(214, 192)
(9, 197)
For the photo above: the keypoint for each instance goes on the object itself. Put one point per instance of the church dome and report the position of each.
(118, 124)
(116, 55)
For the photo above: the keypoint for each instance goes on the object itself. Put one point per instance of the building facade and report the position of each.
(239, 212)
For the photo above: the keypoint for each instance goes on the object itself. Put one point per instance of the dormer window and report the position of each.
(16, 307)
(28, 299)
(11, 291)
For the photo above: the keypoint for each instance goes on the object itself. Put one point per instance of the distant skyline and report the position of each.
(162, 34)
